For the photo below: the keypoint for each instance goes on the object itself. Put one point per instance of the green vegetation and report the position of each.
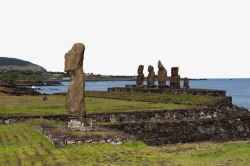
(34, 105)
(14, 76)
(28, 77)
(4, 61)
(22, 144)
(10, 64)
(192, 100)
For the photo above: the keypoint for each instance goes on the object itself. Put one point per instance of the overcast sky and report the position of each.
(205, 38)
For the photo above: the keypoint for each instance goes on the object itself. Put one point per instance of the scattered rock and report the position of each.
(18, 91)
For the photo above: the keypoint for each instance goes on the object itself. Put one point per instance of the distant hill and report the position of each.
(18, 64)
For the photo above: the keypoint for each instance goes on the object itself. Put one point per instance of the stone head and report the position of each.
(74, 57)
(140, 69)
(175, 71)
(78, 47)
(186, 80)
(160, 65)
(150, 68)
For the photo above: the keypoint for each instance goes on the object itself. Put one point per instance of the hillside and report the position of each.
(11, 64)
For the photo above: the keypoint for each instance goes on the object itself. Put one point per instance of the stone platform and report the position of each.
(156, 128)
(167, 90)
(83, 130)
(169, 132)
(217, 121)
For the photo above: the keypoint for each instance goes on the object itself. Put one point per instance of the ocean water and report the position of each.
(239, 89)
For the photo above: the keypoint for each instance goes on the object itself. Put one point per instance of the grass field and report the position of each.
(21, 144)
(191, 100)
(34, 105)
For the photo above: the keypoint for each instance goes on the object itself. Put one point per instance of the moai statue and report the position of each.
(162, 75)
(75, 103)
(186, 83)
(140, 77)
(175, 78)
(151, 77)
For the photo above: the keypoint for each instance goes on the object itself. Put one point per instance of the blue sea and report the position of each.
(239, 89)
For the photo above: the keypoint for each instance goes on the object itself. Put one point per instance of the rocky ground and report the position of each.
(17, 91)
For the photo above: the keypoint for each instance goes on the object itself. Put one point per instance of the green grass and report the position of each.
(192, 100)
(22, 144)
(34, 105)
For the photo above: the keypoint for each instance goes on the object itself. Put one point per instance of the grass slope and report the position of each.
(18, 64)
(34, 105)
(21, 144)
(192, 100)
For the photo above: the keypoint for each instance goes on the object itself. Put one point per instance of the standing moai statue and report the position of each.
(140, 77)
(162, 75)
(175, 78)
(151, 77)
(186, 83)
(75, 103)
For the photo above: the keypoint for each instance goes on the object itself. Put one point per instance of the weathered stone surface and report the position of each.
(62, 135)
(80, 124)
(175, 78)
(168, 132)
(131, 88)
(218, 108)
(162, 75)
(140, 77)
(11, 119)
(186, 83)
(75, 104)
(151, 77)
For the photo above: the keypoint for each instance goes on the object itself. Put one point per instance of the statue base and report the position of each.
(80, 124)
(163, 86)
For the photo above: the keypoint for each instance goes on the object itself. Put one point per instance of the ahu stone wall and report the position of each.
(208, 92)
(167, 132)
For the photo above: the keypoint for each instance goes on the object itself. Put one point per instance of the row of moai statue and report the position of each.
(162, 77)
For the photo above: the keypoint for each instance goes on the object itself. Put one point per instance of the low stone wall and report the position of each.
(11, 119)
(161, 115)
(221, 108)
(64, 136)
(217, 108)
(209, 92)
(118, 117)
(160, 133)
